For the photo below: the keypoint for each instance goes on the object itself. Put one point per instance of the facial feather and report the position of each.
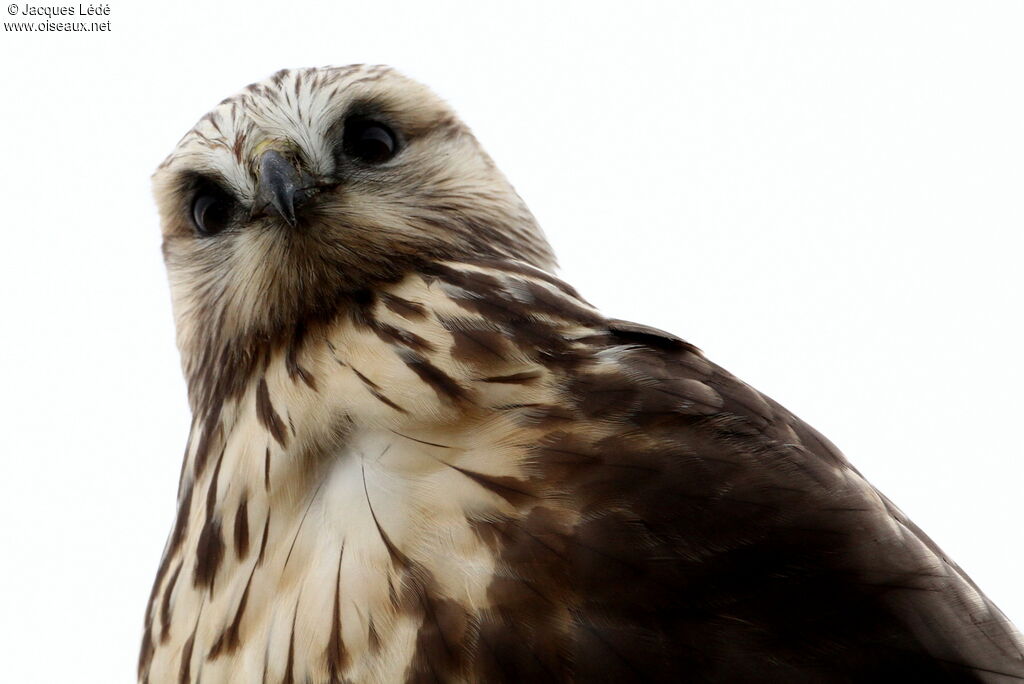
(440, 197)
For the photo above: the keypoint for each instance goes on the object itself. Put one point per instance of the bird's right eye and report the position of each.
(371, 142)
(211, 212)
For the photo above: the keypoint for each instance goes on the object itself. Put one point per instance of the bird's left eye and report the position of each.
(369, 141)
(211, 212)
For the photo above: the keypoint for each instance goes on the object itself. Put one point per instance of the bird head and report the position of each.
(315, 185)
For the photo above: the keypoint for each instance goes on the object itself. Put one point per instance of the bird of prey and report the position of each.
(417, 455)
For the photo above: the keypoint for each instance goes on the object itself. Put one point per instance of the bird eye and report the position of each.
(211, 212)
(369, 141)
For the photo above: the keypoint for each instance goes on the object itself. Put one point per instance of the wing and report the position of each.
(677, 525)
(727, 540)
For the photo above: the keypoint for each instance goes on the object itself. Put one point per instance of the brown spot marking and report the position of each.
(145, 652)
(165, 605)
(228, 641)
(209, 554)
(242, 529)
(211, 425)
(522, 268)
(362, 315)
(266, 470)
(508, 488)
(268, 416)
(263, 541)
(289, 675)
(443, 384)
(475, 342)
(398, 558)
(292, 360)
(210, 548)
(406, 338)
(180, 527)
(335, 654)
(408, 310)
(544, 342)
(524, 378)
(546, 301)
(174, 544)
(491, 298)
(185, 671)
(471, 281)
(374, 389)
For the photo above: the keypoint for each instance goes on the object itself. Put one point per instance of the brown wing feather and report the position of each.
(727, 540)
(718, 538)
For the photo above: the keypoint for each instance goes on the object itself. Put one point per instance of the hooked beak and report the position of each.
(280, 184)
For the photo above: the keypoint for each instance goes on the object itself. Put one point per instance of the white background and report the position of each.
(824, 196)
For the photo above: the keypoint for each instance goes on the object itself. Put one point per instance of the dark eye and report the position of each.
(211, 212)
(369, 141)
